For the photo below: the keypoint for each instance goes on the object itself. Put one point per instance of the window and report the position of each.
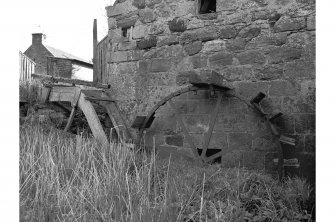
(207, 6)
(127, 32)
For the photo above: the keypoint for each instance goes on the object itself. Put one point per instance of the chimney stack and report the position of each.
(37, 38)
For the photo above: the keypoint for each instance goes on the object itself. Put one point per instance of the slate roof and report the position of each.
(61, 54)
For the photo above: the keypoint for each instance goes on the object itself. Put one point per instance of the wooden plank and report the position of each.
(118, 121)
(95, 53)
(71, 81)
(187, 135)
(208, 134)
(92, 119)
(69, 122)
(62, 94)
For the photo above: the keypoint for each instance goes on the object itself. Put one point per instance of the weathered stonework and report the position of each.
(258, 45)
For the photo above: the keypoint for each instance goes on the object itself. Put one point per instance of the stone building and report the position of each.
(52, 61)
(257, 45)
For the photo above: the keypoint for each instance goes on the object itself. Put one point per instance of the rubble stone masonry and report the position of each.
(257, 45)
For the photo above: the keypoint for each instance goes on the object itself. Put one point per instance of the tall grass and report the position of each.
(72, 178)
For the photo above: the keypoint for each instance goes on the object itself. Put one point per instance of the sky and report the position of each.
(67, 24)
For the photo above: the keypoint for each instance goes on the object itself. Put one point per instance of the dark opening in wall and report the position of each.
(124, 32)
(207, 6)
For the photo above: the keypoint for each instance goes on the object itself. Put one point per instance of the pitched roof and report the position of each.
(61, 54)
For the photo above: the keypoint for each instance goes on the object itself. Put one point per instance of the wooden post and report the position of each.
(95, 52)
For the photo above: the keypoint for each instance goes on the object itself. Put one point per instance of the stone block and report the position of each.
(178, 25)
(119, 56)
(311, 22)
(218, 141)
(214, 46)
(152, 3)
(238, 73)
(157, 28)
(251, 57)
(283, 54)
(201, 106)
(135, 55)
(265, 14)
(202, 34)
(129, 45)
(227, 5)
(183, 9)
(282, 88)
(196, 123)
(299, 69)
(253, 160)
(234, 45)
(275, 39)
(160, 65)
(272, 104)
(112, 23)
(120, 9)
(167, 40)
(147, 43)
(140, 4)
(175, 140)
(269, 72)
(197, 139)
(198, 61)
(193, 48)
(289, 24)
(227, 32)
(127, 67)
(153, 138)
(233, 122)
(304, 123)
(232, 159)
(143, 66)
(183, 77)
(140, 31)
(195, 23)
(239, 141)
(264, 141)
(147, 15)
(299, 104)
(285, 124)
(249, 32)
(251, 89)
(310, 143)
(127, 21)
(221, 59)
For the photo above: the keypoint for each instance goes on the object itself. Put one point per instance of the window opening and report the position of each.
(207, 6)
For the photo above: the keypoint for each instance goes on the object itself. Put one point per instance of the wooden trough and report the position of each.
(77, 93)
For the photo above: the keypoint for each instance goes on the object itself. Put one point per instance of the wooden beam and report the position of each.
(208, 134)
(92, 119)
(187, 135)
(69, 122)
(62, 94)
(214, 156)
(95, 51)
(119, 123)
(71, 81)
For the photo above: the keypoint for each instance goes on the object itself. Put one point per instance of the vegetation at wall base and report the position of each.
(64, 177)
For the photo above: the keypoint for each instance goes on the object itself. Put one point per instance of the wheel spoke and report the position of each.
(187, 135)
(214, 156)
(208, 134)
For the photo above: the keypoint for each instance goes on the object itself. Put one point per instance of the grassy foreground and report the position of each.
(64, 178)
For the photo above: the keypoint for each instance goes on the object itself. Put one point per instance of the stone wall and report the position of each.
(257, 45)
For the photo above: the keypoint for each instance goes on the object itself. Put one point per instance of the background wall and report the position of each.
(258, 45)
